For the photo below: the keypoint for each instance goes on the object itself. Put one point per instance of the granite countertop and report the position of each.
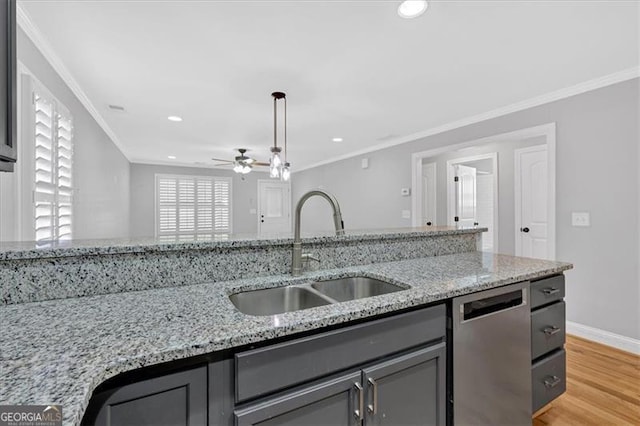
(59, 351)
(57, 249)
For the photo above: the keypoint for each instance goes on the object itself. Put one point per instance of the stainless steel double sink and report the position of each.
(291, 298)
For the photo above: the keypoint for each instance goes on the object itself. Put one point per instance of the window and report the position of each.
(50, 157)
(193, 207)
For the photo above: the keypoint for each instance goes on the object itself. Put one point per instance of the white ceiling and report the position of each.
(350, 69)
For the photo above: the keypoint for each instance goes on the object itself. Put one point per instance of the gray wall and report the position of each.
(597, 171)
(506, 191)
(244, 193)
(100, 170)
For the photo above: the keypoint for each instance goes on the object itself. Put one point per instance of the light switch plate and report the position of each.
(405, 192)
(406, 214)
(580, 219)
(365, 163)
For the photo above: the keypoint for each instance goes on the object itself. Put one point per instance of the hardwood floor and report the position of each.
(603, 387)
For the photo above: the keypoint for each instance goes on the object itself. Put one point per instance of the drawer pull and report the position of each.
(359, 413)
(552, 381)
(550, 331)
(550, 290)
(373, 408)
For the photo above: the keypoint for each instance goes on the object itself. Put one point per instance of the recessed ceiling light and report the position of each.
(337, 139)
(174, 118)
(412, 8)
(171, 157)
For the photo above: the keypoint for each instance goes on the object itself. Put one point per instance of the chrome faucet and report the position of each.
(296, 262)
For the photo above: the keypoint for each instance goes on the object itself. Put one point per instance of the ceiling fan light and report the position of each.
(237, 167)
(246, 169)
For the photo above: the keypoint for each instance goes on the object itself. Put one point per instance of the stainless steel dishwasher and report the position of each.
(492, 357)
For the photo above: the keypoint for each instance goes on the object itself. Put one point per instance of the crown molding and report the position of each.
(587, 86)
(26, 23)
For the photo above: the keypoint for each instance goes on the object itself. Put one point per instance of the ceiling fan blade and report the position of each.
(226, 163)
(223, 161)
(260, 163)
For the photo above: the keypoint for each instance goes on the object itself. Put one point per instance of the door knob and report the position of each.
(428, 223)
(525, 229)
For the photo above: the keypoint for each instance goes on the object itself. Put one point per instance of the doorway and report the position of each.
(506, 144)
(472, 195)
(274, 207)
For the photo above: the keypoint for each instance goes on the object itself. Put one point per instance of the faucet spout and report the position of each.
(296, 262)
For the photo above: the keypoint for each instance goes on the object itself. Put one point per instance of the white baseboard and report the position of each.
(606, 338)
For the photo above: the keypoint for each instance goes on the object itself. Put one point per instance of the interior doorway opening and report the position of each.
(483, 191)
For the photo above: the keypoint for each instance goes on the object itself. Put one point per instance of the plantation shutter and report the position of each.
(53, 190)
(193, 206)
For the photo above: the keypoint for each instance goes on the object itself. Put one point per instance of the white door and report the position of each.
(466, 195)
(429, 194)
(531, 208)
(274, 207)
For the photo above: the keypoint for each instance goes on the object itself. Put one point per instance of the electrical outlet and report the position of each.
(580, 219)
(405, 192)
(406, 214)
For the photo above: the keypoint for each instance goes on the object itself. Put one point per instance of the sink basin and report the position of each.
(353, 288)
(278, 300)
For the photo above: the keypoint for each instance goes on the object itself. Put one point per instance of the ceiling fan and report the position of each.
(241, 163)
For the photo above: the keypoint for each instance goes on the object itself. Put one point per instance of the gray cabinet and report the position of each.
(178, 399)
(548, 370)
(331, 402)
(405, 390)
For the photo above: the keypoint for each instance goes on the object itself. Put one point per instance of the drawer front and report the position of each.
(547, 290)
(547, 329)
(265, 370)
(549, 379)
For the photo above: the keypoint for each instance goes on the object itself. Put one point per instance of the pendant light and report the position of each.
(279, 168)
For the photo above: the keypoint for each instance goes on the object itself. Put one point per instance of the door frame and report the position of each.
(259, 181)
(548, 131)
(517, 188)
(451, 190)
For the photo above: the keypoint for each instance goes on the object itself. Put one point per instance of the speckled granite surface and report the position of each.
(89, 268)
(59, 351)
(57, 249)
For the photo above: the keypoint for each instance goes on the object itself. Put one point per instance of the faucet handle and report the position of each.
(306, 260)
(306, 257)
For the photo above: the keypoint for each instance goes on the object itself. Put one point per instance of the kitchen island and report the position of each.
(59, 351)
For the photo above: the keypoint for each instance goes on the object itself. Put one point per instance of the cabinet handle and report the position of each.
(550, 290)
(550, 331)
(552, 381)
(373, 408)
(359, 413)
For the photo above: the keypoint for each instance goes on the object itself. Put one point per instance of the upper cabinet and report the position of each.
(8, 71)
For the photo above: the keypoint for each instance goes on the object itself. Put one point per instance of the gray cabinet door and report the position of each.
(328, 403)
(407, 390)
(178, 399)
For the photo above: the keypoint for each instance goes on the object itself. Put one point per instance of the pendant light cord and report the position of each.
(275, 122)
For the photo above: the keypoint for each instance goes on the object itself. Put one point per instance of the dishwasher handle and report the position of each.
(492, 304)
